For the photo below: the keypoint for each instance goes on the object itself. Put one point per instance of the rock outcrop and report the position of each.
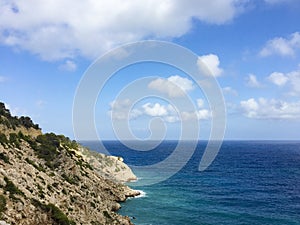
(49, 179)
(111, 167)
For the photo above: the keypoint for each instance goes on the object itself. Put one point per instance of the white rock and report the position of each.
(3, 223)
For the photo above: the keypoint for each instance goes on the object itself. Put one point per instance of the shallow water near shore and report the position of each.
(250, 182)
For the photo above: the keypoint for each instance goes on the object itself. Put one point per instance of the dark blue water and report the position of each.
(250, 182)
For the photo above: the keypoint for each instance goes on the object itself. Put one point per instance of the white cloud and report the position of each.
(290, 80)
(69, 65)
(250, 107)
(165, 112)
(134, 113)
(212, 63)
(202, 114)
(252, 81)
(294, 81)
(278, 78)
(200, 103)
(282, 46)
(173, 86)
(186, 116)
(119, 104)
(270, 109)
(155, 109)
(61, 29)
(169, 114)
(230, 90)
(119, 111)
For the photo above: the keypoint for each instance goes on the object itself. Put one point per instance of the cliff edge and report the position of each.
(49, 179)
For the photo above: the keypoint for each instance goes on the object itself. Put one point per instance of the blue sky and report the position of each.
(252, 48)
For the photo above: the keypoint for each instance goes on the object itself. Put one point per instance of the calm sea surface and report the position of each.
(250, 182)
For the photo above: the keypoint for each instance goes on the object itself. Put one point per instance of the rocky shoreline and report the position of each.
(49, 179)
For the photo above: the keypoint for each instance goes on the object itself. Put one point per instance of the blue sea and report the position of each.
(250, 182)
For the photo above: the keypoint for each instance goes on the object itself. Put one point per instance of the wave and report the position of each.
(141, 195)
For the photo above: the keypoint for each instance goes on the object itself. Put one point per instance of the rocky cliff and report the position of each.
(49, 179)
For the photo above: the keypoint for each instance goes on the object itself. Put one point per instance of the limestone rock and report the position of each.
(48, 179)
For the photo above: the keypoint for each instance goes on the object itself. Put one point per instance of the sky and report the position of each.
(251, 48)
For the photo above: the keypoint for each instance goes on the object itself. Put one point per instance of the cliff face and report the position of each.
(110, 167)
(48, 179)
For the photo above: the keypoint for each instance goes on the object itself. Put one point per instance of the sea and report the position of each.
(249, 182)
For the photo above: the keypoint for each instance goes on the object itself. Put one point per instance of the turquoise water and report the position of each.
(250, 182)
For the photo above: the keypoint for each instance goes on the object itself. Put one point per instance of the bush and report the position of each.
(3, 139)
(71, 180)
(12, 121)
(27, 122)
(4, 157)
(38, 167)
(2, 205)
(14, 140)
(56, 214)
(12, 189)
(48, 147)
(106, 214)
(3, 110)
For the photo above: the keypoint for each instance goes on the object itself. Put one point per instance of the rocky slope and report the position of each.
(49, 179)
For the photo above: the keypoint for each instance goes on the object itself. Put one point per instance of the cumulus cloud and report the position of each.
(204, 114)
(212, 63)
(278, 78)
(290, 80)
(119, 111)
(294, 81)
(270, 109)
(173, 86)
(155, 109)
(200, 114)
(282, 46)
(69, 65)
(88, 28)
(252, 81)
(230, 90)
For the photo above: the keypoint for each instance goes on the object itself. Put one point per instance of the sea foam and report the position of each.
(141, 195)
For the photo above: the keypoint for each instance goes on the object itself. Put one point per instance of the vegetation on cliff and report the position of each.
(12, 121)
(49, 179)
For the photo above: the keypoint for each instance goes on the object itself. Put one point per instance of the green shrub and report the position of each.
(71, 179)
(2, 203)
(4, 157)
(3, 139)
(27, 122)
(95, 223)
(12, 189)
(38, 167)
(106, 214)
(14, 140)
(56, 214)
(12, 121)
